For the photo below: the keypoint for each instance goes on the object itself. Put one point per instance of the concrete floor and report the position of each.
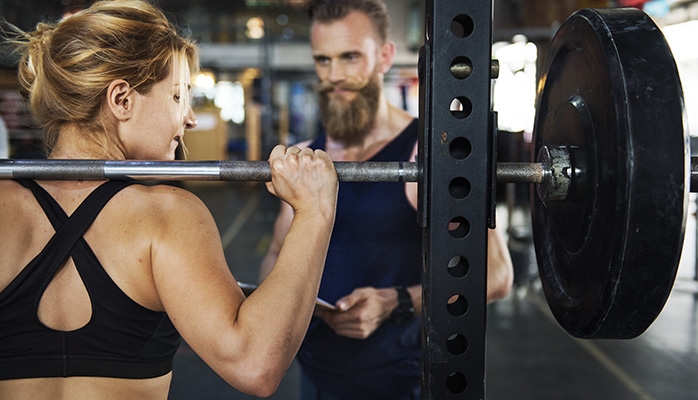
(528, 355)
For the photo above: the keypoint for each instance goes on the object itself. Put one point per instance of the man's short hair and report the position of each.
(327, 11)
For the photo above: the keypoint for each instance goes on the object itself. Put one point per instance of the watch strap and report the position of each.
(405, 309)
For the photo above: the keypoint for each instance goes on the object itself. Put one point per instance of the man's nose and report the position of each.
(337, 72)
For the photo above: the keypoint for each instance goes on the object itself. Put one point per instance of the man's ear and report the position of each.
(120, 99)
(388, 51)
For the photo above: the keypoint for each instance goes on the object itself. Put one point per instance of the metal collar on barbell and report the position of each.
(558, 173)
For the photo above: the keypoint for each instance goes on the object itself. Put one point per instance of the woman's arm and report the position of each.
(249, 342)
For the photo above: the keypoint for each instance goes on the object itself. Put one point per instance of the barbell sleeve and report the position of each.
(522, 172)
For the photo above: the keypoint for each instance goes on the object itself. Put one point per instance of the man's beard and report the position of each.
(349, 122)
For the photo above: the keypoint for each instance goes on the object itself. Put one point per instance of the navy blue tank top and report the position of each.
(376, 242)
(122, 339)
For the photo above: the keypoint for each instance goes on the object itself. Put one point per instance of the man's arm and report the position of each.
(365, 309)
(500, 271)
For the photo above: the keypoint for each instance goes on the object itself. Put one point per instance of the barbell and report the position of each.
(612, 173)
(552, 171)
(229, 170)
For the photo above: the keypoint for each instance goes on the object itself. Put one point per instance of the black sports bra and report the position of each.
(122, 339)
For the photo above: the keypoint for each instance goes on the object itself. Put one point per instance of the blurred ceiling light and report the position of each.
(255, 28)
(515, 89)
(205, 80)
(230, 98)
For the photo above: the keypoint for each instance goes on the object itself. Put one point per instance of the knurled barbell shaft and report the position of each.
(225, 170)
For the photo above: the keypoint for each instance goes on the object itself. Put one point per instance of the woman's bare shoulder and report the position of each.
(12, 195)
(9, 185)
(163, 195)
(163, 202)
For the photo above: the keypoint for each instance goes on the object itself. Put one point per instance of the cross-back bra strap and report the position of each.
(70, 229)
(51, 208)
(94, 202)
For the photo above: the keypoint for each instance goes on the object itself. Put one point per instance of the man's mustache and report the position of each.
(324, 87)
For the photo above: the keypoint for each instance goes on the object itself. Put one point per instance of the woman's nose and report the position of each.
(190, 120)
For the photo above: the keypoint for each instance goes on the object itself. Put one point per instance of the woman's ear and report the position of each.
(120, 99)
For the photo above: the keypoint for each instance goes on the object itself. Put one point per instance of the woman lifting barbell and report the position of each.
(98, 280)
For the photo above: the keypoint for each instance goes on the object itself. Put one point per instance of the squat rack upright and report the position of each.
(457, 147)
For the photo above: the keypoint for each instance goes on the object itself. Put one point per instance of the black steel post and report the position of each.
(456, 152)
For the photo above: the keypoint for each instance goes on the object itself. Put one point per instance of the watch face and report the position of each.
(403, 316)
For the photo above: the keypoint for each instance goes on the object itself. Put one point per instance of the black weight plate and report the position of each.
(609, 253)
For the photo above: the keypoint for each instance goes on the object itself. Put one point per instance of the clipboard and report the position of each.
(320, 304)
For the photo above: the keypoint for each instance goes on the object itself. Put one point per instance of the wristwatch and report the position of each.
(404, 310)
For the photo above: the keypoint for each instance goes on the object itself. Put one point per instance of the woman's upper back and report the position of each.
(129, 221)
(66, 315)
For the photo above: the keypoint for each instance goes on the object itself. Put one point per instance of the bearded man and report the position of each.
(370, 346)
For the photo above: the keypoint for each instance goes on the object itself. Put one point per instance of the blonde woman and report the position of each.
(98, 280)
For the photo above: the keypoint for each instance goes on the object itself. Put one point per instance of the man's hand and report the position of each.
(360, 313)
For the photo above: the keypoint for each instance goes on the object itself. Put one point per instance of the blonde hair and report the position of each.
(66, 67)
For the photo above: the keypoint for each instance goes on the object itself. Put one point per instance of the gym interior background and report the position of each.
(255, 90)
